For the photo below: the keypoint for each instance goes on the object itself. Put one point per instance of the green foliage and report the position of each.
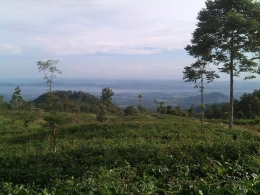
(254, 107)
(240, 115)
(51, 102)
(214, 112)
(191, 111)
(102, 113)
(246, 108)
(175, 155)
(106, 97)
(4, 121)
(227, 34)
(17, 100)
(246, 121)
(130, 110)
(3, 104)
(161, 108)
(141, 108)
(249, 105)
(105, 105)
(56, 118)
(53, 122)
(197, 71)
(28, 106)
(49, 69)
(76, 96)
(68, 101)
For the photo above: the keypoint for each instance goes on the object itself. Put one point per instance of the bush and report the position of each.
(141, 108)
(246, 121)
(130, 110)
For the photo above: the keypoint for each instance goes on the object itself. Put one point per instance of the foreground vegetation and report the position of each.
(138, 154)
(64, 150)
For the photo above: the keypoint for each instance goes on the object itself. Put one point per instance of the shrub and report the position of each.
(130, 110)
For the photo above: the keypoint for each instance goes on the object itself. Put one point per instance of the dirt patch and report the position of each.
(151, 117)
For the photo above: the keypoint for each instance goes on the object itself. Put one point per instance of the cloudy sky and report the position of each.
(97, 38)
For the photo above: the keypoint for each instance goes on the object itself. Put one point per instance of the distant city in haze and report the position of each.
(172, 92)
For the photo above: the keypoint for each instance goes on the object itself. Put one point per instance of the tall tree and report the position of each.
(139, 106)
(53, 121)
(161, 108)
(254, 107)
(106, 97)
(49, 69)
(199, 71)
(228, 34)
(105, 104)
(17, 100)
(140, 97)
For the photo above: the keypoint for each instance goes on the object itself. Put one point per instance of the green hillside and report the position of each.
(209, 98)
(77, 96)
(68, 101)
(139, 154)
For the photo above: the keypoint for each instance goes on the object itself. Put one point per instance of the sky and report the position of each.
(129, 39)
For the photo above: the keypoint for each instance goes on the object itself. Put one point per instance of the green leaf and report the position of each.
(220, 172)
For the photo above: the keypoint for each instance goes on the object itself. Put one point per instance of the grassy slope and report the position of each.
(135, 155)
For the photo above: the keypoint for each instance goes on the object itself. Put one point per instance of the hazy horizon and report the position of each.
(35, 86)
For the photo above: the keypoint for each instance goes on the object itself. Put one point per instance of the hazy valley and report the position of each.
(172, 92)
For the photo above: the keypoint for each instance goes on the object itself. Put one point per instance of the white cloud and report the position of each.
(147, 36)
(66, 27)
(9, 49)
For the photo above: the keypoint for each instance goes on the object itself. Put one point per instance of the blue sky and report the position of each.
(98, 38)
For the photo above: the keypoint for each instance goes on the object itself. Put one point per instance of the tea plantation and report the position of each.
(141, 154)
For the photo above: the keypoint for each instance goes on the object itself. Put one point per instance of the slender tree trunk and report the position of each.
(231, 109)
(202, 99)
(55, 128)
(231, 104)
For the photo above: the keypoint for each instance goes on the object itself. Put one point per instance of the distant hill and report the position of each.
(75, 96)
(209, 98)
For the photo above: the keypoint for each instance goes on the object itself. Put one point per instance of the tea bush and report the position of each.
(173, 155)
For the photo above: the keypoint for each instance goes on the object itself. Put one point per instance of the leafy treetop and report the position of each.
(49, 68)
(228, 34)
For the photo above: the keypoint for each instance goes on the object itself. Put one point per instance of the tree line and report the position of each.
(227, 36)
(248, 107)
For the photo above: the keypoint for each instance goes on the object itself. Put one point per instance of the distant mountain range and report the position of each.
(209, 98)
